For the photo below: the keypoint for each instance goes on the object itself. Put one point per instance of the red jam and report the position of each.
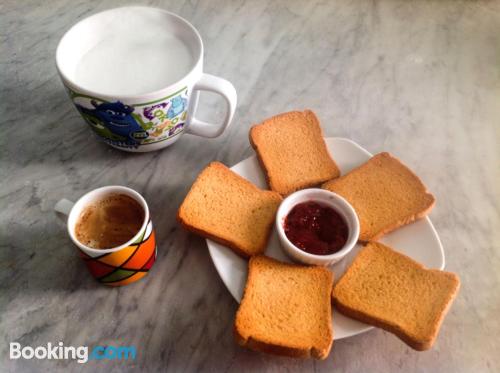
(316, 229)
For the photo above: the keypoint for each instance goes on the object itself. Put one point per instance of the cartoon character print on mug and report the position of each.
(129, 126)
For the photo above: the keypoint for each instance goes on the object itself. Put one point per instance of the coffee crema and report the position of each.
(109, 222)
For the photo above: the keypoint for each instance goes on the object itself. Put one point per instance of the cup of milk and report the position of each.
(135, 74)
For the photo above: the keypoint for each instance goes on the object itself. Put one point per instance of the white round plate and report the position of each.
(418, 240)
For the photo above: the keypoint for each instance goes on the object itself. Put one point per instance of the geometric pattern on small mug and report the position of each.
(126, 265)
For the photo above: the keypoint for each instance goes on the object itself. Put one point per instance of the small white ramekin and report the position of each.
(324, 197)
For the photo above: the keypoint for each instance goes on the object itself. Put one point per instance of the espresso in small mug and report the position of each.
(135, 73)
(112, 229)
(109, 221)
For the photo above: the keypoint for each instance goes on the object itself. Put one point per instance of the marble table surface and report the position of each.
(418, 79)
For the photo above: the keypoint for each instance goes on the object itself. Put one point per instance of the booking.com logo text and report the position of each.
(80, 354)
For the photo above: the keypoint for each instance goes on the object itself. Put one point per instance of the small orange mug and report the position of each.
(120, 265)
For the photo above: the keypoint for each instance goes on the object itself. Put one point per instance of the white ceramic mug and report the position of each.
(151, 120)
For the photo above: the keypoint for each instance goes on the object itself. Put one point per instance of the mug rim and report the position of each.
(71, 83)
(112, 189)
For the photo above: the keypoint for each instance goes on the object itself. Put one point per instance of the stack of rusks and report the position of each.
(287, 308)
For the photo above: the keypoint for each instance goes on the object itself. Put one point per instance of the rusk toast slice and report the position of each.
(286, 309)
(292, 151)
(384, 193)
(226, 208)
(392, 291)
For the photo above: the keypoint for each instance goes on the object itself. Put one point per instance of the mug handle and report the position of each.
(64, 206)
(224, 88)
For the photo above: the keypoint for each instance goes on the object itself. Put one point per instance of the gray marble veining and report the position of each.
(418, 79)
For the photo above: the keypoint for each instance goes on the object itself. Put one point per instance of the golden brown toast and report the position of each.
(292, 151)
(392, 291)
(384, 193)
(226, 208)
(286, 309)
